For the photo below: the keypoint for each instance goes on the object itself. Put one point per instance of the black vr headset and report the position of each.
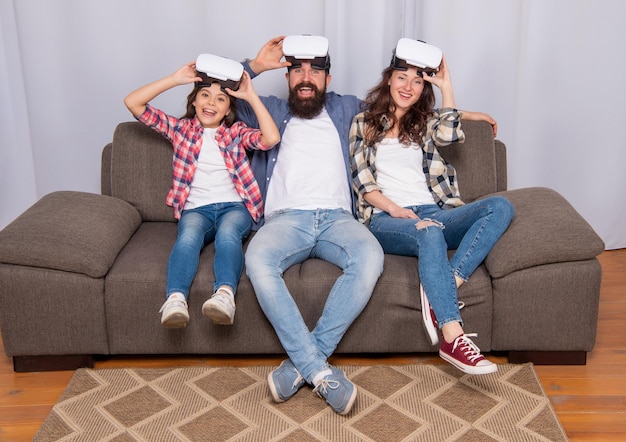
(310, 48)
(416, 53)
(216, 69)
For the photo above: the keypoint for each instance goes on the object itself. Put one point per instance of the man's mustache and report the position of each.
(306, 84)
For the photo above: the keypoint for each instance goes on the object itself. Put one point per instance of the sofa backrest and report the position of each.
(140, 170)
(476, 161)
(137, 166)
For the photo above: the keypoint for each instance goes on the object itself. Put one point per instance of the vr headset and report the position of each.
(310, 48)
(416, 53)
(216, 69)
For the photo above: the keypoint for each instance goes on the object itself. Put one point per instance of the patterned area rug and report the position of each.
(394, 403)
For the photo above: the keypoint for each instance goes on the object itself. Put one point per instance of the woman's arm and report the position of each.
(444, 82)
(380, 201)
(481, 116)
(137, 100)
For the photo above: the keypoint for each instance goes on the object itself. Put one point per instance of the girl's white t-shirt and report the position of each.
(212, 182)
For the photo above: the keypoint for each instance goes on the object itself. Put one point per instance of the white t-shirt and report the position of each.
(310, 172)
(212, 182)
(400, 175)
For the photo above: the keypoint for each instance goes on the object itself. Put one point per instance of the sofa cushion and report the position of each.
(546, 229)
(71, 231)
(141, 170)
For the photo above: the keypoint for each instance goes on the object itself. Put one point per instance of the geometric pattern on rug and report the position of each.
(394, 403)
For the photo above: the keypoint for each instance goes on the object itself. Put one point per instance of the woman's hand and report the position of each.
(442, 78)
(401, 212)
(443, 81)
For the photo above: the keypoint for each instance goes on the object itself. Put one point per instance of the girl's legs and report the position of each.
(233, 226)
(195, 229)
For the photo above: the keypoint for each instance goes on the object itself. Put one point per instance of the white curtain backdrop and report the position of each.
(550, 71)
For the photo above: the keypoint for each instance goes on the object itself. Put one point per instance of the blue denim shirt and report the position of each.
(340, 108)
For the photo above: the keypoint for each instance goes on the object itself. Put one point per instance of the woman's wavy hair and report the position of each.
(229, 119)
(378, 103)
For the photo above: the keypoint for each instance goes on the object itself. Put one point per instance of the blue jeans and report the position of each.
(292, 236)
(472, 230)
(228, 224)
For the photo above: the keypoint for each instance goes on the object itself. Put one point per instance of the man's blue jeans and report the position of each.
(292, 236)
(228, 224)
(472, 229)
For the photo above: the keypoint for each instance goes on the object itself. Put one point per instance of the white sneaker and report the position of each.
(174, 312)
(220, 308)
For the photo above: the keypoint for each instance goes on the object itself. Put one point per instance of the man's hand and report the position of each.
(269, 56)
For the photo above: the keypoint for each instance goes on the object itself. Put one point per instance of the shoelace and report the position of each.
(297, 380)
(467, 346)
(173, 303)
(223, 298)
(324, 385)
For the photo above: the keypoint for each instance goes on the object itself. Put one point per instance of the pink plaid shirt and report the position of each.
(186, 138)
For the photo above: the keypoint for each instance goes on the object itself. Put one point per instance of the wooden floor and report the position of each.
(589, 400)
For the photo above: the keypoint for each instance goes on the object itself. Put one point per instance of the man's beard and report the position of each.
(306, 108)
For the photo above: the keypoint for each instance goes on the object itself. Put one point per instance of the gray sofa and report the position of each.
(82, 275)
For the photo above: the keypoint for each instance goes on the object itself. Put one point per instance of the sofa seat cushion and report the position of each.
(71, 231)
(546, 229)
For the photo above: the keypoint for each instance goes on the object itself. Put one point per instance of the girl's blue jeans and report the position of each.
(471, 229)
(228, 224)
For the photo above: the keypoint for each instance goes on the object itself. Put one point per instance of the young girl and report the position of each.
(408, 196)
(214, 194)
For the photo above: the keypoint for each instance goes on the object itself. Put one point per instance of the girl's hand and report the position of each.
(245, 91)
(186, 74)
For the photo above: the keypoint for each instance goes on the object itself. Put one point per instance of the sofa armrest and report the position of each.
(501, 171)
(105, 170)
(70, 231)
(546, 229)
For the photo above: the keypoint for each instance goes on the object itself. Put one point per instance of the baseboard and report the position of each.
(548, 357)
(51, 363)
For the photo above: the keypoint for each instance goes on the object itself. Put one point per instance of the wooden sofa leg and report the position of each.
(549, 357)
(52, 363)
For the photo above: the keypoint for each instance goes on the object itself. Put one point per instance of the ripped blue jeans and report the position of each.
(472, 229)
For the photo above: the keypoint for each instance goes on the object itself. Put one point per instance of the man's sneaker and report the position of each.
(285, 381)
(465, 355)
(220, 308)
(338, 391)
(174, 313)
(428, 318)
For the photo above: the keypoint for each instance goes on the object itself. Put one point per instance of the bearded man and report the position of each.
(309, 213)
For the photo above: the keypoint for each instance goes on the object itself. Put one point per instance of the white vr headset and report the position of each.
(416, 53)
(310, 48)
(216, 69)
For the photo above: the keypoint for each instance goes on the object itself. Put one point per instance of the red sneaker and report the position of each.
(465, 355)
(428, 318)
